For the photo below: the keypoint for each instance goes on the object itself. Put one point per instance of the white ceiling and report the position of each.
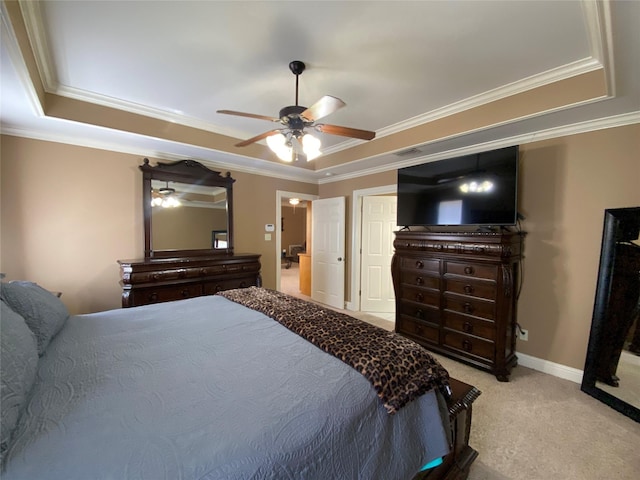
(395, 64)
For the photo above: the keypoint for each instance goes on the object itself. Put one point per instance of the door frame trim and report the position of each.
(356, 239)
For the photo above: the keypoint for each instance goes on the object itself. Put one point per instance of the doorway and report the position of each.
(292, 232)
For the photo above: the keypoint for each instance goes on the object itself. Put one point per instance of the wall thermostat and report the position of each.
(269, 227)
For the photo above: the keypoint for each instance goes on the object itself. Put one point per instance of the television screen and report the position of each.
(479, 189)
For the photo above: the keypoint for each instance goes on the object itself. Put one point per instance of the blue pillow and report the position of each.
(44, 312)
(19, 361)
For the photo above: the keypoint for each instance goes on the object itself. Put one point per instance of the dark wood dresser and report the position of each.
(456, 294)
(154, 280)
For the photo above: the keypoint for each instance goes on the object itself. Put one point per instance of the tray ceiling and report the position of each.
(431, 78)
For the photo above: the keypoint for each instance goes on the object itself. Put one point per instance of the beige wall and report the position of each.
(68, 213)
(565, 186)
(254, 204)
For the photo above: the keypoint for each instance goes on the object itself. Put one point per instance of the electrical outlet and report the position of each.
(523, 335)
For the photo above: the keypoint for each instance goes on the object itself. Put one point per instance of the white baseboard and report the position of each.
(555, 369)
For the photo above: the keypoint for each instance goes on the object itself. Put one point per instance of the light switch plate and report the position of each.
(269, 227)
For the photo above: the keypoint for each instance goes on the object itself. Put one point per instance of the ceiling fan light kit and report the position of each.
(295, 119)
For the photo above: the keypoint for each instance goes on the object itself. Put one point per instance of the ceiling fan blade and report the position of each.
(250, 115)
(257, 138)
(346, 131)
(323, 107)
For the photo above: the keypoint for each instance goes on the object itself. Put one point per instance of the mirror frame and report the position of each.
(614, 220)
(184, 171)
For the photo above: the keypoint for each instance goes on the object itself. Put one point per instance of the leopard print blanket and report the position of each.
(399, 369)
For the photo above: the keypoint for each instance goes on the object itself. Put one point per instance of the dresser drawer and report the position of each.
(419, 279)
(470, 306)
(421, 295)
(470, 326)
(469, 345)
(418, 329)
(211, 288)
(145, 296)
(472, 288)
(420, 264)
(473, 270)
(429, 313)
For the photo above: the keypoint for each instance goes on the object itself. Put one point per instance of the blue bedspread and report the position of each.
(207, 389)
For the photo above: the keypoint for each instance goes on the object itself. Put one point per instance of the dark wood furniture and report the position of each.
(455, 465)
(456, 294)
(156, 280)
(169, 274)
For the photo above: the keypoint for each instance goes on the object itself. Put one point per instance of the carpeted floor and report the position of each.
(540, 427)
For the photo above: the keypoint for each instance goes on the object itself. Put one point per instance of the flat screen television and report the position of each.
(479, 189)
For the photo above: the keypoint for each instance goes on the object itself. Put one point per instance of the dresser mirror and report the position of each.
(188, 210)
(612, 367)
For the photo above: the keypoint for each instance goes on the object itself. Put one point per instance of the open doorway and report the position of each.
(293, 229)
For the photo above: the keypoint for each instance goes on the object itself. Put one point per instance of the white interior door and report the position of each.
(378, 225)
(327, 251)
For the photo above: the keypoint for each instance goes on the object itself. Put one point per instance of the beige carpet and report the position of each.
(540, 427)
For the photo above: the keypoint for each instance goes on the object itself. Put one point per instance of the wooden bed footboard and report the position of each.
(457, 463)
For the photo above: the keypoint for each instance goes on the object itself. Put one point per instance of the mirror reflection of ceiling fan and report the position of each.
(296, 120)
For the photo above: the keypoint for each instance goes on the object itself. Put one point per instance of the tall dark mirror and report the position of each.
(612, 368)
(188, 210)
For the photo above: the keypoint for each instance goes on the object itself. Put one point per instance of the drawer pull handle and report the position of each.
(182, 273)
(419, 297)
(419, 314)
(468, 308)
(419, 280)
(155, 276)
(218, 288)
(153, 297)
(439, 247)
(185, 293)
(243, 284)
(419, 264)
(467, 327)
(203, 271)
(419, 329)
(468, 270)
(467, 345)
(468, 289)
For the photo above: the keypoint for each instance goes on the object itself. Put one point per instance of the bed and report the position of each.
(227, 386)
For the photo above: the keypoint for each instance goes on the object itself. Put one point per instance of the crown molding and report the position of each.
(597, 19)
(290, 172)
(9, 40)
(551, 133)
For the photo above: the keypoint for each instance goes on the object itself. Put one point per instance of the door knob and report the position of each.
(339, 259)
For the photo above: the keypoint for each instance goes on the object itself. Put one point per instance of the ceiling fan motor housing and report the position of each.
(291, 116)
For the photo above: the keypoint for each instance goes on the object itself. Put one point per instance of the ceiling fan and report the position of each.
(295, 119)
